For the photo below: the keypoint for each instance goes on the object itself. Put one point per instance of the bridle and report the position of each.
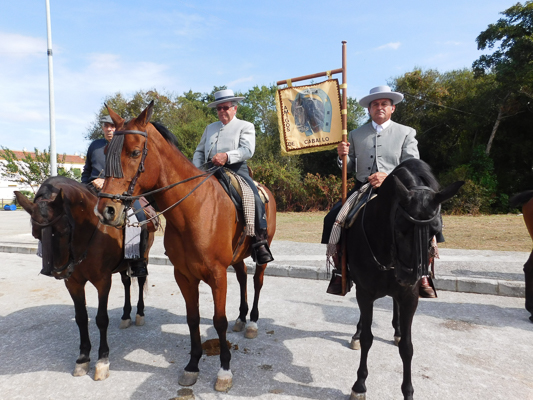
(114, 169)
(420, 235)
(46, 233)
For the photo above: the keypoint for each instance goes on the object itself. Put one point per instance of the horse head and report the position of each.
(127, 173)
(52, 225)
(414, 219)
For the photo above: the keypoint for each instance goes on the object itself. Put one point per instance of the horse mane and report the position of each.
(521, 198)
(413, 168)
(167, 134)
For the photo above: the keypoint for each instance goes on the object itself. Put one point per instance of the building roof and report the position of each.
(69, 159)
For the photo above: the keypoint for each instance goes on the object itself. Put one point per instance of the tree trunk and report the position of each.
(494, 129)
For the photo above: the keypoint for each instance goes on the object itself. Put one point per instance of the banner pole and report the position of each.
(344, 114)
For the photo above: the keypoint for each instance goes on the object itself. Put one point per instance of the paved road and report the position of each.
(467, 346)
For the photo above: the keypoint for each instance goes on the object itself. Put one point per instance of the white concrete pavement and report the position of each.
(467, 346)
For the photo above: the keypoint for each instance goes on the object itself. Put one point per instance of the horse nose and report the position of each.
(109, 213)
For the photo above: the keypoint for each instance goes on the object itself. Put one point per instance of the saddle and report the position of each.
(354, 211)
(232, 187)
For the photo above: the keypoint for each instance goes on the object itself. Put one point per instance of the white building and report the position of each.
(7, 188)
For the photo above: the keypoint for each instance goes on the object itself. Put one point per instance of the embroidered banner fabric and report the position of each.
(309, 117)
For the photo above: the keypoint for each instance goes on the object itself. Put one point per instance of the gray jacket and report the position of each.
(371, 152)
(237, 139)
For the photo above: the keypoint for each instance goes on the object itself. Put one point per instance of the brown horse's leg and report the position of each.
(77, 293)
(102, 321)
(528, 275)
(241, 272)
(219, 286)
(191, 296)
(251, 329)
(125, 321)
(407, 307)
(139, 317)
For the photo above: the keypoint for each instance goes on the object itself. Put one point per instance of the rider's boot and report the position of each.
(260, 250)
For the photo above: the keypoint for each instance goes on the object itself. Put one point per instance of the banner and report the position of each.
(309, 117)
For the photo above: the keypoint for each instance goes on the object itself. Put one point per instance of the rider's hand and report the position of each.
(219, 159)
(98, 183)
(377, 179)
(343, 148)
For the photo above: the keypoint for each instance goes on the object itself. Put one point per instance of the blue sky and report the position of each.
(104, 47)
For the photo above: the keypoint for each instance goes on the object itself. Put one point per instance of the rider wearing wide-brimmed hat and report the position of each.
(373, 151)
(229, 142)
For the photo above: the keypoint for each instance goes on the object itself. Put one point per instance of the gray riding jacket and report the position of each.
(371, 152)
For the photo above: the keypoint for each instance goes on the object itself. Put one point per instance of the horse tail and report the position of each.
(521, 198)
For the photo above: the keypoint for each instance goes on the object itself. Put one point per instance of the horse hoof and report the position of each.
(251, 330)
(224, 381)
(357, 396)
(397, 340)
(139, 321)
(125, 323)
(355, 344)
(81, 369)
(101, 372)
(239, 326)
(188, 378)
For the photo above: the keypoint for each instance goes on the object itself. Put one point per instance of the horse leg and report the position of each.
(251, 328)
(219, 287)
(366, 307)
(528, 275)
(102, 321)
(407, 309)
(240, 271)
(139, 317)
(125, 321)
(355, 343)
(191, 296)
(396, 321)
(77, 293)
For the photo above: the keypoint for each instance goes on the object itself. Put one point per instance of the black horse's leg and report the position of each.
(139, 318)
(102, 321)
(408, 307)
(528, 275)
(366, 307)
(396, 321)
(251, 329)
(355, 344)
(126, 314)
(240, 271)
(191, 296)
(77, 293)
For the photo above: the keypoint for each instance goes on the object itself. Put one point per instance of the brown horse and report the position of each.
(204, 233)
(77, 249)
(525, 199)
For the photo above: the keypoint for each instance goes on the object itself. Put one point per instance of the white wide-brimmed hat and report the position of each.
(223, 96)
(381, 92)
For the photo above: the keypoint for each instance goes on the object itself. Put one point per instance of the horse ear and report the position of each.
(26, 203)
(145, 116)
(448, 192)
(117, 119)
(58, 201)
(401, 190)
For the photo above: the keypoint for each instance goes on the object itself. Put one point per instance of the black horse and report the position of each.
(77, 249)
(388, 247)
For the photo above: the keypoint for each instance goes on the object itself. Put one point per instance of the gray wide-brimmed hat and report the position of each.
(106, 118)
(381, 92)
(222, 96)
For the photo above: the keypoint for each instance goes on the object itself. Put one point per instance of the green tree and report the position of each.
(32, 169)
(511, 62)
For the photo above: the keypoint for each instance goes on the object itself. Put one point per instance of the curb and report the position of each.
(447, 283)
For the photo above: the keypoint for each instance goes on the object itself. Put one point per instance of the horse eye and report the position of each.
(135, 153)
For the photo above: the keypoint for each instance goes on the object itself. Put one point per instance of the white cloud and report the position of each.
(393, 46)
(240, 80)
(13, 45)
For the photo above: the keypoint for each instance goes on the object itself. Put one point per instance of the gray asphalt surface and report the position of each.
(467, 345)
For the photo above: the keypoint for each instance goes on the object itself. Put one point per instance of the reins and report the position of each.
(421, 233)
(114, 169)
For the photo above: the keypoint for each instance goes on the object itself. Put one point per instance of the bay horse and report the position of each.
(204, 233)
(78, 249)
(525, 199)
(387, 248)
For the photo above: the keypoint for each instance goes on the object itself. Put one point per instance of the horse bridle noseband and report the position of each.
(421, 233)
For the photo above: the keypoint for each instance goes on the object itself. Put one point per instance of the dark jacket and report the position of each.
(94, 162)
